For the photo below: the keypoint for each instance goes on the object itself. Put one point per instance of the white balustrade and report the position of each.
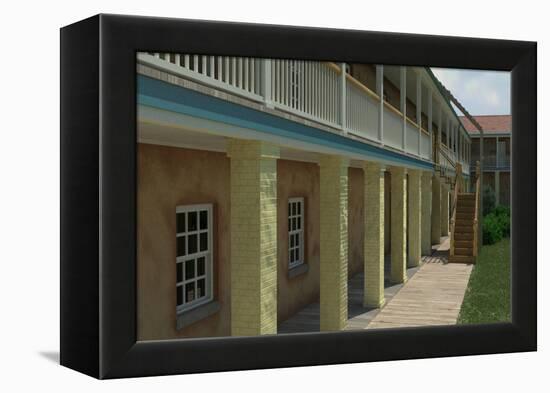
(309, 89)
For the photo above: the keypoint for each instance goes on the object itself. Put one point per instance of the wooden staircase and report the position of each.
(464, 229)
(464, 223)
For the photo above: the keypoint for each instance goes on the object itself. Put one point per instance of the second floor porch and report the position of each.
(395, 107)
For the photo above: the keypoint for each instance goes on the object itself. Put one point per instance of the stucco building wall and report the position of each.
(168, 177)
(297, 179)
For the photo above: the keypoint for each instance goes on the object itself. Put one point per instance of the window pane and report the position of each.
(204, 241)
(189, 292)
(179, 269)
(290, 254)
(289, 209)
(294, 224)
(181, 245)
(192, 224)
(297, 241)
(299, 208)
(291, 241)
(201, 266)
(190, 269)
(192, 244)
(201, 288)
(203, 219)
(294, 209)
(180, 221)
(299, 223)
(289, 227)
(179, 295)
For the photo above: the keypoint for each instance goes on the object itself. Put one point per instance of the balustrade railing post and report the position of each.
(380, 92)
(419, 110)
(403, 95)
(343, 97)
(266, 82)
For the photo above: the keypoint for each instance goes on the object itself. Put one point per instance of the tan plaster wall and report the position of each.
(168, 177)
(297, 179)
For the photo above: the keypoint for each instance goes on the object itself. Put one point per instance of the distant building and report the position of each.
(496, 147)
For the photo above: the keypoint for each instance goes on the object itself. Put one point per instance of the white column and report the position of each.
(343, 97)
(430, 120)
(403, 95)
(440, 125)
(380, 92)
(419, 109)
(266, 82)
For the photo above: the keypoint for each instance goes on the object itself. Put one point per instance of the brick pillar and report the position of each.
(398, 225)
(414, 212)
(436, 209)
(253, 237)
(373, 291)
(333, 242)
(444, 209)
(425, 221)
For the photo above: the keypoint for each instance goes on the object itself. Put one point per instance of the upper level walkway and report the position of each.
(394, 114)
(433, 295)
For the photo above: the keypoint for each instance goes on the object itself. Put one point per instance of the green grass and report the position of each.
(487, 297)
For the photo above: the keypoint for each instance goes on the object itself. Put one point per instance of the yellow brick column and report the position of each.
(425, 221)
(436, 209)
(398, 225)
(414, 212)
(373, 291)
(333, 242)
(253, 237)
(444, 209)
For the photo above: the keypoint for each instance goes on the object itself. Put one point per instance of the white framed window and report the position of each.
(296, 216)
(194, 255)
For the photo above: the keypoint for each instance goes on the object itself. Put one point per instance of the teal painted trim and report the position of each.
(162, 95)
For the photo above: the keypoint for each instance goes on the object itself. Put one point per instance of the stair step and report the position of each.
(464, 243)
(464, 216)
(464, 229)
(465, 209)
(464, 222)
(464, 236)
(464, 251)
(461, 259)
(466, 196)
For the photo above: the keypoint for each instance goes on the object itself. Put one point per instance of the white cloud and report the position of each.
(480, 92)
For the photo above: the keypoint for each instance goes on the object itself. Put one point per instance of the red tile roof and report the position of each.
(491, 124)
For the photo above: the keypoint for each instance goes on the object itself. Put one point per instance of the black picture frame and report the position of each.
(98, 196)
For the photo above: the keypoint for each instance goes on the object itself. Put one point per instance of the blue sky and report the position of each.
(480, 92)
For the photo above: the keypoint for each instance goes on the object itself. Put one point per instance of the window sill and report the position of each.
(298, 270)
(186, 318)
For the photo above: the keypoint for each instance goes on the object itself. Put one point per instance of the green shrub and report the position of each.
(503, 216)
(489, 200)
(492, 229)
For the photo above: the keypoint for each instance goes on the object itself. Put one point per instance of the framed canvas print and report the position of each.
(239, 196)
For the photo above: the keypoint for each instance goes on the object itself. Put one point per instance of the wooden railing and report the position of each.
(458, 184)
(317, 91)
(476, 214)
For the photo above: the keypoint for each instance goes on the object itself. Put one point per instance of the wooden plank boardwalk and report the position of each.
(432, 296)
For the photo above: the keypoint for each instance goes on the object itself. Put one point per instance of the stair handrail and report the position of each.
(458, 182)
(476, 213)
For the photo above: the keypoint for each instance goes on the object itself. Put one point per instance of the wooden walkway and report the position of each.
(432, 296)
